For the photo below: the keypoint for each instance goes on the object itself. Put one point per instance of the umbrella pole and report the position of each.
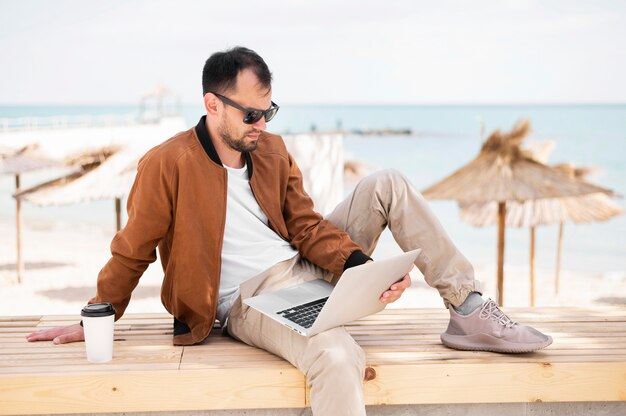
(501, 218)
(558, 259)
(118, 213)
(18, 221)
(532, 265)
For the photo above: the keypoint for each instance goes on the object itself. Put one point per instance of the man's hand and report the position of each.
(396, 290)
(59, 335)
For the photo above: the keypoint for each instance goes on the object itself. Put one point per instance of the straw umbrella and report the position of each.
(104, 174)
(597, 208)
(504, 172)
(581, 209)
(16, 162)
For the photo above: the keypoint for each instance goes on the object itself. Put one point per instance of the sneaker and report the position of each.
(489, 329)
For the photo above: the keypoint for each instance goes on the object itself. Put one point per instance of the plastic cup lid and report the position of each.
(98, 310)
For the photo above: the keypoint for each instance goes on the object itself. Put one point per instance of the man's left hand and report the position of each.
(396, 290)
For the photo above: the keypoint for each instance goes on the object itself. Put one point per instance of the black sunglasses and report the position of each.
(251, 115)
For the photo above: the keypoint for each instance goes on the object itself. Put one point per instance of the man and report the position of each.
(225, 204)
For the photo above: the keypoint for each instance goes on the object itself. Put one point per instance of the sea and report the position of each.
(444, 138)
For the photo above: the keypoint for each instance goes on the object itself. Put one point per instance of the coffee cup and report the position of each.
(98, 319)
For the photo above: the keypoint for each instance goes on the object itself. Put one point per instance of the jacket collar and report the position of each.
(207, 145)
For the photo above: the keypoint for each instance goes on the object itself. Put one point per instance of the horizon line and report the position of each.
(347, 104)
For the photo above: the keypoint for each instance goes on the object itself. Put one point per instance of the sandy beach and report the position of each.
(63, 260)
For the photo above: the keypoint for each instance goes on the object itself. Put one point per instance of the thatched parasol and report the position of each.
(504, 172)
(16, 162)
(104, 174)
(581, 209)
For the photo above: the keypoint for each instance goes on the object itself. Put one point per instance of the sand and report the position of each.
(63, 260)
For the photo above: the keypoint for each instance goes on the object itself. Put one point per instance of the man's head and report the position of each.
(235, 83)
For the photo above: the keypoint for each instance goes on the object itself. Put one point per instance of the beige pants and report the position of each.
(332, 361)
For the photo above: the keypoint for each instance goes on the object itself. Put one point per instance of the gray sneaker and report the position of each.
(489, 329)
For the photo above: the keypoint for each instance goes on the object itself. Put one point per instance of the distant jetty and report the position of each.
(388, 131)
(383, 132)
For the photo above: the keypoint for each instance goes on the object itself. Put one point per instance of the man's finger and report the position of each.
(391, 295)
(407, 281)
(52, 333)
(44, 334)
(402, 284)
(71, 337)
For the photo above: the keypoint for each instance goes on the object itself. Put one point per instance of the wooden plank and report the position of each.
(256, 354)
(22, 318)
(160, 391)
(18, 324)
(586, 362)
(419, 332)
(434, 338)
(61, 361)
(79, 347)
(245, 362)
(131, 316)
(485, 358)
(522, 318)
(140, 339)
(240, 350)
(496, 383)
(555, 350)
(561, 326)
(128, 322)
(60, 358)
(202, 357)
(538, 310)
(119, 367)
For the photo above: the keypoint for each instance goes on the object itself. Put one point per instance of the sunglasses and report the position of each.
(251, 115)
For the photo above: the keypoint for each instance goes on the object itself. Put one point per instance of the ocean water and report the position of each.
(446, 138)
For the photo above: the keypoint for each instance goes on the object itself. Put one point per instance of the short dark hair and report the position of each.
(221, 69)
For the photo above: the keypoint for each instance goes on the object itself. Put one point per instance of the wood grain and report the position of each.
(586, 362)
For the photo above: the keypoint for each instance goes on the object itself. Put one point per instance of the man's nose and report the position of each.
(260, 125)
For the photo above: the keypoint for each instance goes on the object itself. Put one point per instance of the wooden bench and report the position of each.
(407, 364)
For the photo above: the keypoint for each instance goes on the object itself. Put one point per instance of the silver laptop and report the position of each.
(316, 306)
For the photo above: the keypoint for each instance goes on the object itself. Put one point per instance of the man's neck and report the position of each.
(229, 157)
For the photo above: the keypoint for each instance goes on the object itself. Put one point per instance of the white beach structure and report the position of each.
(63, 137)
(320, 157)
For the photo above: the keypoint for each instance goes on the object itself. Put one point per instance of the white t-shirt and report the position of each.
(250, 246)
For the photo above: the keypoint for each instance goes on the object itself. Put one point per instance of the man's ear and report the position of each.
(210, 103)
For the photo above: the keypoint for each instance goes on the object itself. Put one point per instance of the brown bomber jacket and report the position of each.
(178, 203)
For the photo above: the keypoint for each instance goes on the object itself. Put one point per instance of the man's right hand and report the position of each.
(59, 335)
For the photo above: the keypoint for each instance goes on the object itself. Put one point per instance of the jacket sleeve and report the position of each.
(317, 239)
(134, 247)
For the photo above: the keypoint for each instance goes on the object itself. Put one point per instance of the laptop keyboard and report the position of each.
(305, 314)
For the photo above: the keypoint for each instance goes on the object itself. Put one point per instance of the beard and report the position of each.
(239, 144)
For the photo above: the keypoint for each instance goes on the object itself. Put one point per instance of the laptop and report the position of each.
(316, 306)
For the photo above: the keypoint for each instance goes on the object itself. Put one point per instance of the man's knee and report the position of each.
(387, 185)
(336, 350)
(386, 179)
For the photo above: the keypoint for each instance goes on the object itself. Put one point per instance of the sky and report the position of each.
(320, 52)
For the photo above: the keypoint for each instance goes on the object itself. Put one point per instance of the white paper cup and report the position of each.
(98, 319)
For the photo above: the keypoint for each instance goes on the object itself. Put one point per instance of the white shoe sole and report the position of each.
(485, 342)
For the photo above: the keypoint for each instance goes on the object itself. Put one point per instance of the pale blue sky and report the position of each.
(362, 52)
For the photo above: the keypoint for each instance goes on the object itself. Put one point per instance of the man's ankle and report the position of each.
(473, 301)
